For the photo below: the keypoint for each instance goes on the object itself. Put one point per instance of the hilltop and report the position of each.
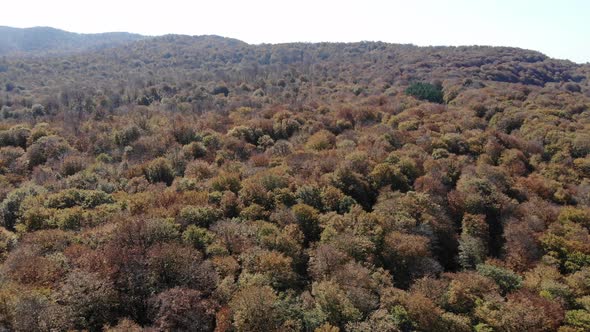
(40, 41)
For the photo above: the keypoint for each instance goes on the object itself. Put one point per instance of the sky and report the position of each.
(557, 28)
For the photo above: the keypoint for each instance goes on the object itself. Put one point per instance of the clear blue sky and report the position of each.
(558, 28)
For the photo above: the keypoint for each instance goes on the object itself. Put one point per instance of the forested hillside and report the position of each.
(201, 183)
(40, 41)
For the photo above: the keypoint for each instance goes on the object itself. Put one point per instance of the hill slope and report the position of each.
(45, 40)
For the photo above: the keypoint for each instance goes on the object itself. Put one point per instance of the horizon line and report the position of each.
(290, 42)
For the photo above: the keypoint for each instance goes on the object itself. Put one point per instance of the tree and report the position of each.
(355, 185)
(274, 266)
(182, 309)
(332, 303)
(307, 219)
(255, 309)
(172, 265)
(220, 90)
(159, 170)
(195, 150)
(45, 148)
(506, 279)
(137, 275)
(567, 242)
(8, 241)
(10, 210)
(465, 290)
(388, 175)
(322, 140)
(197, 237)
(402, 253)
(473, 244)
(201, 216)
(90, 299)
(15, 136)
(522, 311)
(426, 91)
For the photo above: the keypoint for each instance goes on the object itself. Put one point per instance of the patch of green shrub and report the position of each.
(426, 91)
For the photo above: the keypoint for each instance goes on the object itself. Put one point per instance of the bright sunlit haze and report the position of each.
(557, 29)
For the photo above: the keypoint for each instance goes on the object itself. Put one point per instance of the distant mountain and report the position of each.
(210, 58)
(64, 56)
(46, 41)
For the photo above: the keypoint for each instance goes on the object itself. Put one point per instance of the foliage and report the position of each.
(181, 309)
(426, 91)
(198, 183)
(202, 216)
(90, 299)
(10, 207)
(159, 170)
(506, 279)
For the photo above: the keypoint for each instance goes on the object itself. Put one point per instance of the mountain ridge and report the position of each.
(48, 40)
(44, 40)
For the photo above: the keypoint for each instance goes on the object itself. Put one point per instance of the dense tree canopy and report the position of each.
(201, 183)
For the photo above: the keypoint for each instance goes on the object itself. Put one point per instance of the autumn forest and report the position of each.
(201, 183)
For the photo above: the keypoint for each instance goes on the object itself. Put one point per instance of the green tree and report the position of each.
(159, 170)
(426, 91)
(473, 243)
